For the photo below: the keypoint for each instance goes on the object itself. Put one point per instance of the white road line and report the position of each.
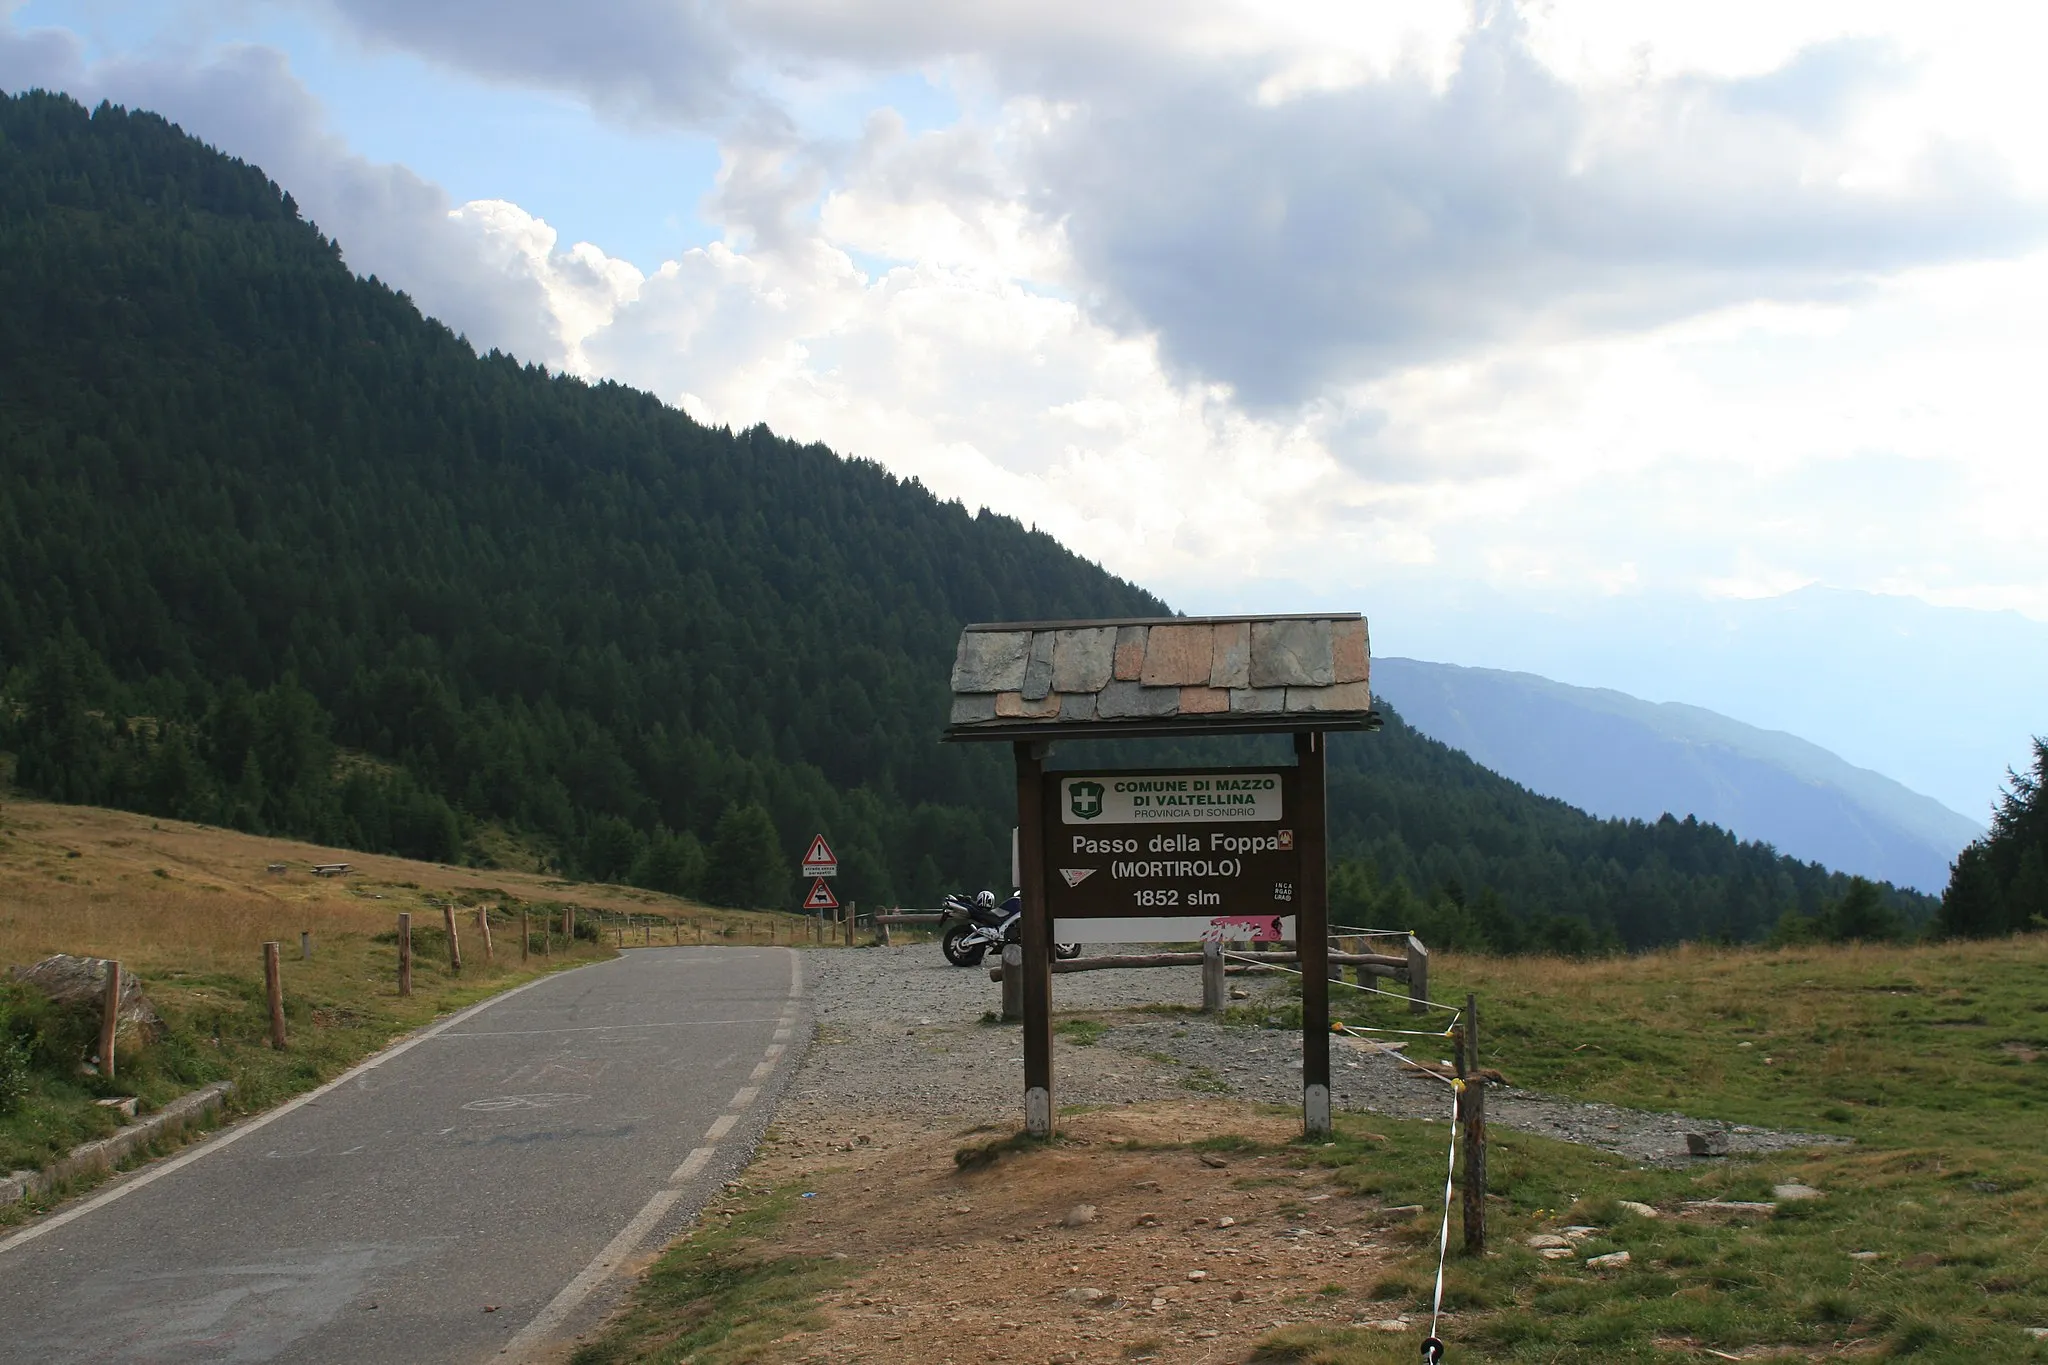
(594, 1274)
(261, 1121)
(744, 1097)
(761, 1069)
(651, 1213)
(698, 1158)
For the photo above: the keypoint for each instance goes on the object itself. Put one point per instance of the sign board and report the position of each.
(820, 860)
(821, 897)
(1172, 856)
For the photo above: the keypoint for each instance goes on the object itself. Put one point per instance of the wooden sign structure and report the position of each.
(1107, 855)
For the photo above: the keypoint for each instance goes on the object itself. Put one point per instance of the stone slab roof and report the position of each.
(1173, 675)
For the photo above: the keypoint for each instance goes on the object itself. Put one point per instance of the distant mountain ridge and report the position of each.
(1615, 755)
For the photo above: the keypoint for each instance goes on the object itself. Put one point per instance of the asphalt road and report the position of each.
(462, 1198)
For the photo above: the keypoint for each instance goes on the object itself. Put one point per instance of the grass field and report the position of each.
(1929, 1239)
(187, 908)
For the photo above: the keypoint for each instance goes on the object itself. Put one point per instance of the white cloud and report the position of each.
(1545, 311)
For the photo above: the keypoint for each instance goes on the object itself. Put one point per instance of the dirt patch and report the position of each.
(1143, 1233)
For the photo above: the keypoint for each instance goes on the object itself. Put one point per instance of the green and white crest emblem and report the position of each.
(1085, 798)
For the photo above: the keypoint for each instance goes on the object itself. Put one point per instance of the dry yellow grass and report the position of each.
(164, 894)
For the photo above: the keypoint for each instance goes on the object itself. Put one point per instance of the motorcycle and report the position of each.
(973, 926)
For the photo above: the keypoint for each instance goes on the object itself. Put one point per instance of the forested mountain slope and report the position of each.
(278, 552)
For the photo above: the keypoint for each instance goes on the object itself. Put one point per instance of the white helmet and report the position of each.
(986, 900)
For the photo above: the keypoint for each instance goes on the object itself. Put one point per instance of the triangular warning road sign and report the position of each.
(821, 897)
(820, 860)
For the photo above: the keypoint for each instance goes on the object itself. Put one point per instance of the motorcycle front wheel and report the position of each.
(958, 950)
(1066, 951)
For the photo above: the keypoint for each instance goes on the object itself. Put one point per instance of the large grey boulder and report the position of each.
(82, 982)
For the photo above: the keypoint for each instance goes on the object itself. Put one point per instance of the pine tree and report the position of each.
(745, 866)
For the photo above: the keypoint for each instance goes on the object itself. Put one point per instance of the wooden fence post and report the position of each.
(1418, 976)
(1213, 994)
(881, 932)
(110, 1019)
(852, 914)
(273, 989)
(305, 945)
(1473, 1102)
(1013, 982)
(483, 924)
(454, 943)
(404, 953)
(568, 928)
(525, 935)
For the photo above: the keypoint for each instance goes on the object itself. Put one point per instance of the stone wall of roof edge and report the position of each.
(1178, 655)
(1115, 621)
(1258, 700)
(1182, 726)
(1038, 666)
(1083, 660)
(1130, 700)
(1292, 654)
(1354, 696)
(1230, 663)
(987, 661)
(1350, 653)
(970, 707)
(1129, 663)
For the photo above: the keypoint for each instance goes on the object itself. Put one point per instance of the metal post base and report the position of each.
(1315, 1110)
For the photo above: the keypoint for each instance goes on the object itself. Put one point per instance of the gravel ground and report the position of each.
(898, 1033)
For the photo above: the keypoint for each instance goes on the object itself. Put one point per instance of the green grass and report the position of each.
(1081, 1032)
(1919, 1054)
(713, 1300)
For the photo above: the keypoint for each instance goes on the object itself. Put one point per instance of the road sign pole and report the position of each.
(1038, 1106)
(1312, 929)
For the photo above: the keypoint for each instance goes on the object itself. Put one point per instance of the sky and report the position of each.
(1596, 338)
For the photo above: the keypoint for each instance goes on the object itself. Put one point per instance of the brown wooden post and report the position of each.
(110, 1019)
(881, 931)
(1037, 936)
(1214, 997)
(1313, 929)
(1473, 1105)
(852, 914)
(1418, 976)
(525, 935)
(483, 924)
(454, 943)
(1013, 982)
(568, 928)
(305, 945)
(273, 990)
(404, 953)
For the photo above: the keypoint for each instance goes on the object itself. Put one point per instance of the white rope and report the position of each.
(1353, 985)
(1433, 1348)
